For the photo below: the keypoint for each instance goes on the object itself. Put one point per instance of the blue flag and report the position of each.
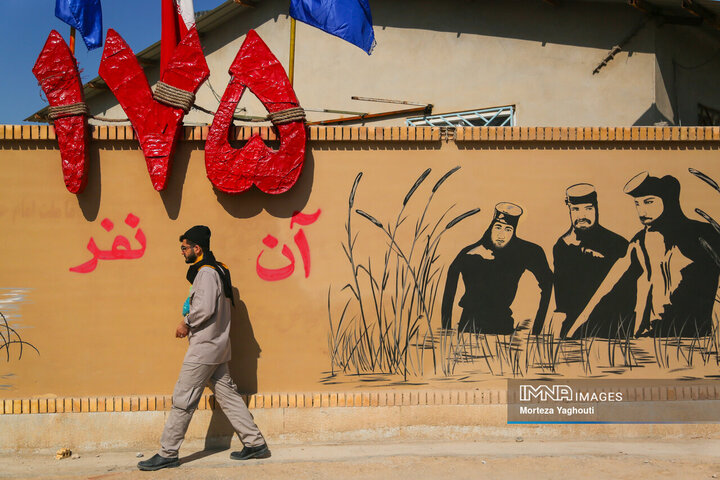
(348, 19)
(85, 16)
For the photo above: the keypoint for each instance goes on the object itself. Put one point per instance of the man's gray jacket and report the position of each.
(208, 320)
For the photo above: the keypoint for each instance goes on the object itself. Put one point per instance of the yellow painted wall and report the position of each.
(111, 332)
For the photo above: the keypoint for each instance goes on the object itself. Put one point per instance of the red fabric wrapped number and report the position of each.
(233, 171)
(58, 76)
(157, 125)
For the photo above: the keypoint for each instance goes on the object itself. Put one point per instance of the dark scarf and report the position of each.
(674, 226)
(209, 260)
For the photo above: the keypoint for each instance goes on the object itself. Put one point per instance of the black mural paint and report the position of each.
(582, 258)
(491, 270)
(675, 272)
(682, 265)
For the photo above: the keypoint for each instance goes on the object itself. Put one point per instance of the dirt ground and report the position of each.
(498, 460)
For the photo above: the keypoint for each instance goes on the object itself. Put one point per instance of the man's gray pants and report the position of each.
(186, 396)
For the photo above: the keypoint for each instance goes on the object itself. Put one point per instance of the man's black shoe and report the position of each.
(261, 451)
(157, 462)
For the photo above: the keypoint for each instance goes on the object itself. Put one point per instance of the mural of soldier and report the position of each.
(677, 279)
(491, 270)
(582, 258)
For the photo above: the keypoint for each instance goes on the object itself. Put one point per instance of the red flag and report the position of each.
(178, 17)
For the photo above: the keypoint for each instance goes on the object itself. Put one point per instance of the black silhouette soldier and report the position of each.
(582, 257)
(677, 279)
(491, 270)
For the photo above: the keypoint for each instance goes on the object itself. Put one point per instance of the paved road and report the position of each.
(497, 460)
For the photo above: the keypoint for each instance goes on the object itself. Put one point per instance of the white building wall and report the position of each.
(462, 55)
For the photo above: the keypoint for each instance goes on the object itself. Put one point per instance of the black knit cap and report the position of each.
(200, 235)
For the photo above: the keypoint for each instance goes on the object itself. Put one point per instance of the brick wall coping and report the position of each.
(406, 134)
(134, 403)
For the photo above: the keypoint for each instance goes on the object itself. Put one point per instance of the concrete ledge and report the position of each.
(403, 134)
(287, 425)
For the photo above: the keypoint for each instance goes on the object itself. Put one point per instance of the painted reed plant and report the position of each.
(9, 337)
(543, 351)
(710, 347)
(622, 340)
(385, 325)
(683, 352)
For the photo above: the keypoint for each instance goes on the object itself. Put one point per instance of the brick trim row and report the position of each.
(405, 134)
(276, 400)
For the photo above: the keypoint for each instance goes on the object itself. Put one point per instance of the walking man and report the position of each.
(207, 325)
(582, 257)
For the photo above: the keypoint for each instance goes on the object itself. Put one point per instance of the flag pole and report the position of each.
(72, 40)
(291, 67)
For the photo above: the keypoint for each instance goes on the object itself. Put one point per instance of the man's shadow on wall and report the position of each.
(243, 370)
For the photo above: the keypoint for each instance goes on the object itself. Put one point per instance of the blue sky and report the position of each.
(26, 25)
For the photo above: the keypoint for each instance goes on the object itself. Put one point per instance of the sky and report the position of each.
(26, 25)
